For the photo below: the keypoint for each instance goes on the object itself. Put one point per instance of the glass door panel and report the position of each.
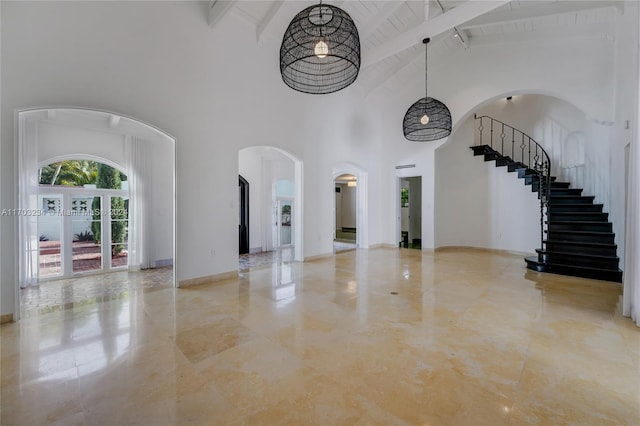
(119, 232)
(50, 231)
(284, 222)
(86, 225)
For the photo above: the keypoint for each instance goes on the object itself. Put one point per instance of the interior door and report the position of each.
(243, 220)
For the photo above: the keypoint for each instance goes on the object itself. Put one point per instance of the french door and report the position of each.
(82, 231)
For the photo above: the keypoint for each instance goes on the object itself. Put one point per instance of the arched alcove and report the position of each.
(128, 147)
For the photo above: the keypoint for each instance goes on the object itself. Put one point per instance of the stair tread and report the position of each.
(581, 243)
(564, 265)
(583, 255)
(567, 231)
(577, 221)
(577, 213)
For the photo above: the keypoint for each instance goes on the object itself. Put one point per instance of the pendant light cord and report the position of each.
(426, 64)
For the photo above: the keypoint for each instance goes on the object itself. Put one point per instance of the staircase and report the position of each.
(576, 235)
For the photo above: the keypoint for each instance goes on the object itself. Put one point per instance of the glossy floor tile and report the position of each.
(56, 295)
(367, 337)
(264, 259)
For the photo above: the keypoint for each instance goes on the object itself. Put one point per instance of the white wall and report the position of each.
(415, 208)
(626, 118)
(160, 212)
(349, 205)
(60, 140)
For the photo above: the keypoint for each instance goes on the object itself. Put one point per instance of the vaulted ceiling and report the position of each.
(391, 31)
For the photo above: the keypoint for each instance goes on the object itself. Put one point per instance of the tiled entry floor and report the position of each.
(52, 296)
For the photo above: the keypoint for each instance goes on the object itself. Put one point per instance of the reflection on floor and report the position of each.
(381, 336)
(265, 258)
(51, 296)
(339, 246)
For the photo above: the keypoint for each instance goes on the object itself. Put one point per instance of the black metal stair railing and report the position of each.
(522, 152)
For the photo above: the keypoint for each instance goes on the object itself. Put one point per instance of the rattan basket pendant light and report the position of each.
(428, 119)
(320, 51)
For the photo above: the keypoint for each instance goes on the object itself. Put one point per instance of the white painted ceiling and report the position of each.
(391, 30)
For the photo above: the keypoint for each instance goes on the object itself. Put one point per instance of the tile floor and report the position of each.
(383, 336)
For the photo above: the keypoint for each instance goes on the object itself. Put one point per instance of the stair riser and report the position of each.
(598, 251)
(577, 208)
(567, 270)
(566, 191)
(600, 239)
(534, 179)
(480, 150)
(526, 172)
(512, 167)
(559, 185)
(590, 216)
(491, 156)
(567, 259)
(578, 226)
(556, 201)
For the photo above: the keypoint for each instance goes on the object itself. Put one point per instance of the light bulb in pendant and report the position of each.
(321, 50)
(424, 119)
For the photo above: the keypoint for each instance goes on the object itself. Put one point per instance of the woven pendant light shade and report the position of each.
(428, 119)
(320, 51)
(438, 127)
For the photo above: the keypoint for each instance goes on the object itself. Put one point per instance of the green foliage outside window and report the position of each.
(404, 197)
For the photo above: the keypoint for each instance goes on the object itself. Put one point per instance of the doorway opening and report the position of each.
(349, 184)
(345, 209)
(410, 215)
(275, 216)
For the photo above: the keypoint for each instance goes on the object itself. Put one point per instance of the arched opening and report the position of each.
(480, 205)
(100, 188)
(345, 209)
(275, 217)
(350, 208)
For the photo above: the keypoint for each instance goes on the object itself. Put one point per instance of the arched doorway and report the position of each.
(126, 225)
(345, 212)
(275, 217)
(353, 180)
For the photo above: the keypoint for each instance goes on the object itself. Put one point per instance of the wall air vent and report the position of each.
(405, 166)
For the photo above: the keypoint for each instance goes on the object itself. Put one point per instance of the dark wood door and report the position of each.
(243, 227)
